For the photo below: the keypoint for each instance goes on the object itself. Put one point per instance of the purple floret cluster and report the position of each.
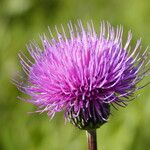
(84, 72)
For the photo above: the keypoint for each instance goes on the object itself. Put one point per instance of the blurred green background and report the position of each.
(22, 21)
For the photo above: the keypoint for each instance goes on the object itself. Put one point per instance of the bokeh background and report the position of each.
(22, 21)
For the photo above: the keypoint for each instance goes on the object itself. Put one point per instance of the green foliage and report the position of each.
(24, 20)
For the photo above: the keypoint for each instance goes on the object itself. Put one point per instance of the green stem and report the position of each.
(92, 140)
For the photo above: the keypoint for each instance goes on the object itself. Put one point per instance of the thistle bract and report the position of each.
(83, 73)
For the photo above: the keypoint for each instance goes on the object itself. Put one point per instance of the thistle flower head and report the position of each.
(85, 73)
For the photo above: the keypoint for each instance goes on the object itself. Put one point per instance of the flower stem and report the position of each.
(91, 138)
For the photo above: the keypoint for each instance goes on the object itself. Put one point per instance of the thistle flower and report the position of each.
(83, 74)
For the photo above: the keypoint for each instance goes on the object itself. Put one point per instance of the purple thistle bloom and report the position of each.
(84, 74)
